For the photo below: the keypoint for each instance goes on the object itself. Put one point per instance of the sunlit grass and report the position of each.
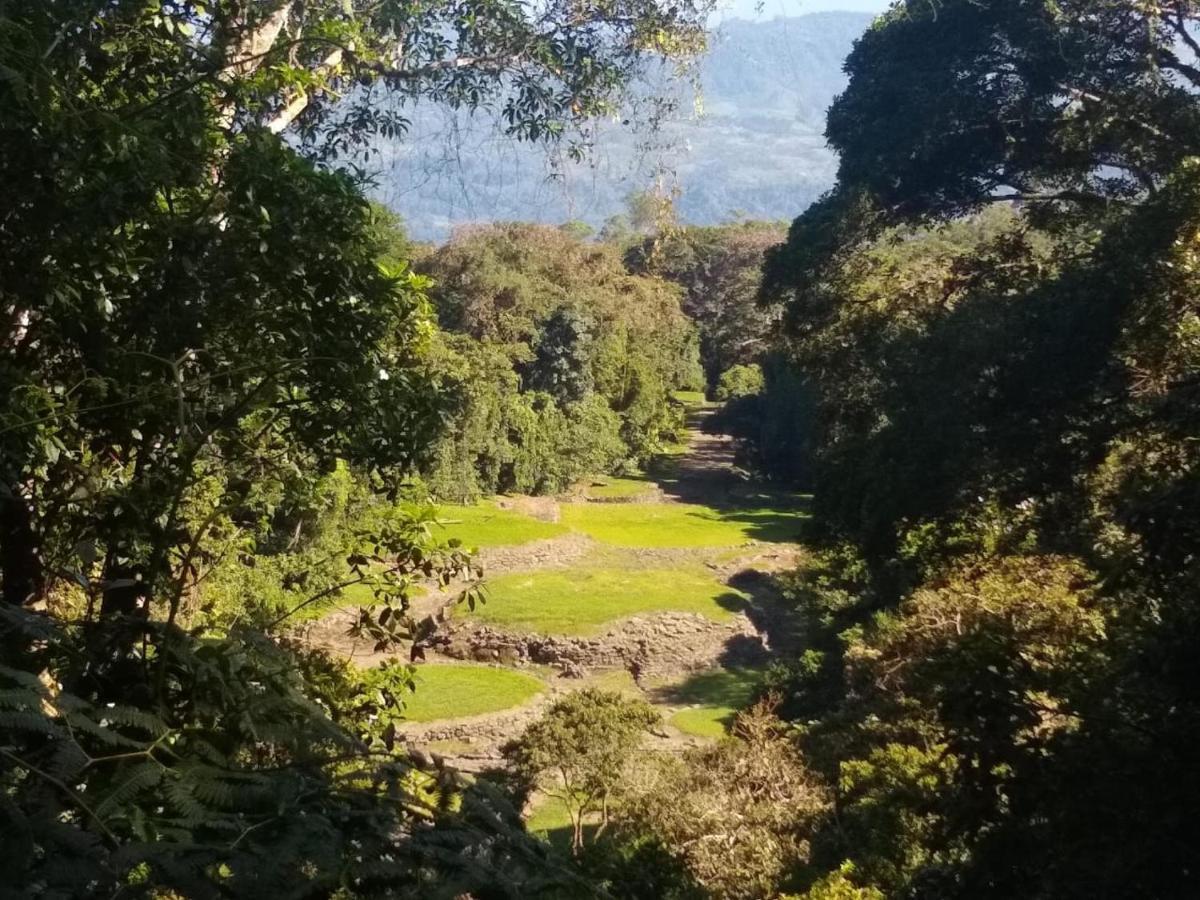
(704, 721)
(453, 691)
(548, 815)
(718, 696)
(582, 601)
(619, 488)
(680, 524)
(690, 398)
(487, 525)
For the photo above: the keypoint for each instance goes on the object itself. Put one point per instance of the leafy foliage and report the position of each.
(738, 814)
(579, 752)
(740, 381)
(1000, 617)
(720, 270)
(217, 369)
(564, 361)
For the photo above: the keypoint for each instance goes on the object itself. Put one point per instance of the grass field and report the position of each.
(550, 821)
(720, 694)
(690, 398)
(450, 691)
(487, 525)
(613, 488)
(680, 524)
(581, 601)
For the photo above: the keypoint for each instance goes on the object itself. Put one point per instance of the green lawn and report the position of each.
(548, 815)
(690, 398)
(550, 821)
(679, 524)
(704, 721)
(582, 601)
(720, 694)
(487, 525)
(451, 691)
(619, 488)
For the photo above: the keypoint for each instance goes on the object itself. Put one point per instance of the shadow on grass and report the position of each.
(773, 618)
(732, 688)
(734, 603)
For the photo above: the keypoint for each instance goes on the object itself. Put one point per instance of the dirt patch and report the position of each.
(544, 509)
(552, 553)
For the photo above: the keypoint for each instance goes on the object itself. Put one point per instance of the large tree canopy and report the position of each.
(955, 102)
(996, 310)
(208, 380)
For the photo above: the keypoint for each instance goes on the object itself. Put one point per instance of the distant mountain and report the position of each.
(756, 149)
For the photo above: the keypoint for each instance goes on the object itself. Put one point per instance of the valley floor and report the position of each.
(660, 586)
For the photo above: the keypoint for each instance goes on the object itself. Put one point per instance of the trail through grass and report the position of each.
(450, 691)
(582, 601)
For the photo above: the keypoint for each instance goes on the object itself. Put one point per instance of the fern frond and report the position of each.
(182, 800)
(37, 723)
(66, 760)
(17, 676)
(137, 778)
(136, 718)
(20, 698)
(84, 723)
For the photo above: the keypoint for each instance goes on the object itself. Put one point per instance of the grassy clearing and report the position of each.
(717, 695)
(582, 601)
(619, 488)
(704, 721)
(547, 816)
(690, 398)
(680, 524)
(452, 691)
(550, 821)
(487, 525)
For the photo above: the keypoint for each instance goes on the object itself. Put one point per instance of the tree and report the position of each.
(560, 362)
(738, 814)
(740, 381)
(197, 335)
(579, 751)
(597, 352)
(720, 269)
(992, 311)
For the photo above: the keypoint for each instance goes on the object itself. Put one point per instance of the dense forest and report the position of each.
(238, 397)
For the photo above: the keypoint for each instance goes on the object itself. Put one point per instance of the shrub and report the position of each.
(740, 381)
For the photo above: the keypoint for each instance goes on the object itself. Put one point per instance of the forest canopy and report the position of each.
(995, 312)
(216, 378)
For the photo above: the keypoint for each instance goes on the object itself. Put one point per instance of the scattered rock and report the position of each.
(667, 643)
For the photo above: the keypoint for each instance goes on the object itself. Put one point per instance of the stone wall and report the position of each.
(667, 643)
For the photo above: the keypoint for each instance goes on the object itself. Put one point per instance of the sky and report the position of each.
(748, 9)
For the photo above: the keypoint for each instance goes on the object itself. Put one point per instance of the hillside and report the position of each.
(755, 149)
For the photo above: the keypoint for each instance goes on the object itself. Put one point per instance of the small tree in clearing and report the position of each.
(577, 753)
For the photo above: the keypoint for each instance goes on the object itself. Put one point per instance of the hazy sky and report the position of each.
(748, 9)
